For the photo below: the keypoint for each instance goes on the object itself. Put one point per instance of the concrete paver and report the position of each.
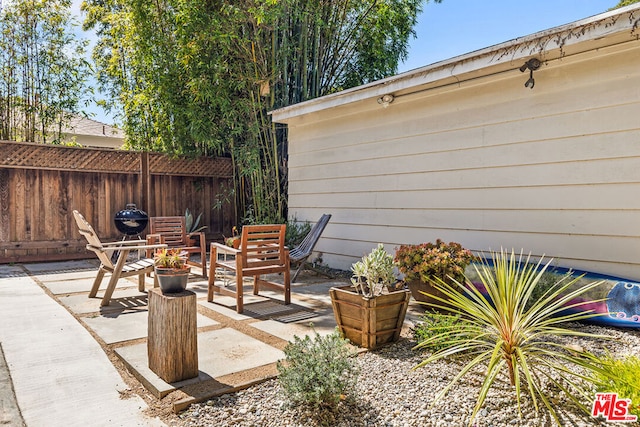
(126, 326)
(124, 299)
(62, 376)
(322, 324)
(43, 269)
(10, 415)
(220, 352)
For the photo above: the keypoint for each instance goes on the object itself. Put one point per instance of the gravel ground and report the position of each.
(391, 393)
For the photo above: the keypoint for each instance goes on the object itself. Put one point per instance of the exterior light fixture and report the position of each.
(532, 64)
(385, 100)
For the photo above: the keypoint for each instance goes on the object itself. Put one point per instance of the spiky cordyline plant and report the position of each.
(498, 329)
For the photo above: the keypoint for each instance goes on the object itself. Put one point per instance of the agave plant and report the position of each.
(191, 224)
(499, 329)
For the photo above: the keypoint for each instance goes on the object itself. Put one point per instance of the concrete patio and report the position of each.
(234, 350)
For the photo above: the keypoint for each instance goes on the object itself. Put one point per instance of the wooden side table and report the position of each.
(220, 275)
(172, 342)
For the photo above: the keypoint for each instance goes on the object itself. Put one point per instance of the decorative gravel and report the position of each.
(391, 393)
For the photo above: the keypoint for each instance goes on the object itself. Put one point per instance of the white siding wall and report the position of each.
(489, 163)
(99, 141)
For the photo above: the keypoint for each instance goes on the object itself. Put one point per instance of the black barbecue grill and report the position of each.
(131, 221)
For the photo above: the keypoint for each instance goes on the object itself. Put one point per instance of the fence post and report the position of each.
(145, 177)
(5, 229)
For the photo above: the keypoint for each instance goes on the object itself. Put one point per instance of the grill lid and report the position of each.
(131, 220)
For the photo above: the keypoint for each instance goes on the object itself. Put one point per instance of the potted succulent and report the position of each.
(421, 264)
(234, 240)
(171, 269)
(371, 312)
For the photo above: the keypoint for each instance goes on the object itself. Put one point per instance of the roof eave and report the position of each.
(547, 45)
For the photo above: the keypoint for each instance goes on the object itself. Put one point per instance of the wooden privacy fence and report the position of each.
(41, 185)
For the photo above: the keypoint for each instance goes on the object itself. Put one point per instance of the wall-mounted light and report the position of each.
(532, 64)
(385, 100)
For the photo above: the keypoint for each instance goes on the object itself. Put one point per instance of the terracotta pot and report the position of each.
(417, 287)
(232, 242)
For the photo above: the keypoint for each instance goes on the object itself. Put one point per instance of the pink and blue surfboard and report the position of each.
(621, 305)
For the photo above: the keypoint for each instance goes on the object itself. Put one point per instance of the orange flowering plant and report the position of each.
(170, 258)
(426, 261)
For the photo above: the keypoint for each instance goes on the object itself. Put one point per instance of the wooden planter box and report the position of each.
(369, 322)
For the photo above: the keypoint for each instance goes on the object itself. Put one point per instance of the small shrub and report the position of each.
(548, 280)
(428, 261)
(317, 373)
(620, 376)
(435, 330)
(296, 231)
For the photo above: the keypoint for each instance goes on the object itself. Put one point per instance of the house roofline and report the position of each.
(550, 44)
(85, 126)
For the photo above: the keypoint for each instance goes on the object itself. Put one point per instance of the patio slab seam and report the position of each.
(256, 327)
(235, 351)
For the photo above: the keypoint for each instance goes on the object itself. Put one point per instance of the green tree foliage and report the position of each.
(199, 76)
(43, 73)
(625, 3)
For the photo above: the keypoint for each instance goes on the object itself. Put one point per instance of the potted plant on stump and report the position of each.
(371, 312)
(171, 270)
(422, 263)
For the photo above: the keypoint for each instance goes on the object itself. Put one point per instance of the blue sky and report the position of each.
(456, 27)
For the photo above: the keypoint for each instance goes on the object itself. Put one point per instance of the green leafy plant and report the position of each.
(374, 273)
(427, 261)
(548, 279)
(267, 55)
(497, 329)
(170, 258)
(620, 376)
(319, 372)
(191, 224)
(43, 71)
(439, 325)
(234, 240)
(296, 231)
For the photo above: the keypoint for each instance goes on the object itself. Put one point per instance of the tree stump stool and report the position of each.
(172, 342)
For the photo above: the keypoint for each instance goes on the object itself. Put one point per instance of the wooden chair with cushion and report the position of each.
(262, 251)
(121, 268)
(172, 231)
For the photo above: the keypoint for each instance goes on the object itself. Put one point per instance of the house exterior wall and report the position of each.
(486, 162)
(98, 141)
